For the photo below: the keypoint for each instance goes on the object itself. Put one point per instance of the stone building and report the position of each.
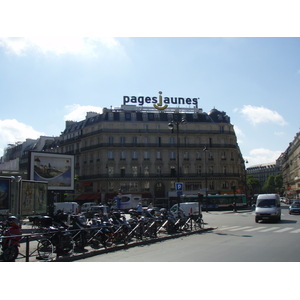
(263, 171)
(132, 149)
(290, 164)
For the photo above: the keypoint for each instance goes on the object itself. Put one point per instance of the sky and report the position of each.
(49, 77)
(45, 81)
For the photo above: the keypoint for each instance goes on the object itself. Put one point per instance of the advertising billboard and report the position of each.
(4, 193)
(56, 169)
(33, 197)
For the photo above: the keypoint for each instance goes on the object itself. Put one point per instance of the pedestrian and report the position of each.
(139, 209)
(234, 206)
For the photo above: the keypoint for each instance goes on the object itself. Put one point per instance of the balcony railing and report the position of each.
(202, 176)
(155, 145)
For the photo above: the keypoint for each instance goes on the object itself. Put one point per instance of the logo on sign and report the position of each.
(161, 103)
(179, 186)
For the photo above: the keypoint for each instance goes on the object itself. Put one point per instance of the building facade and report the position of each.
(132, 150)
(290, 162)
(263, 171)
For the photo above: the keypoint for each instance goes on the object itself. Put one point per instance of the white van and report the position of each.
(66, 207)
(268, 207)
(87, 206)
(186, 208)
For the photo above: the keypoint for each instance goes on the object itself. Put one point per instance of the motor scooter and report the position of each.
(11, 237)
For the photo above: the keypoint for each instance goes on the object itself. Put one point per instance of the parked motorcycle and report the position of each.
(11, 236)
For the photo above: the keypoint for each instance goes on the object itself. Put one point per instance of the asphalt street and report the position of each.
(237, 238)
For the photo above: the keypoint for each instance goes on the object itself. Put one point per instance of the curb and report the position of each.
(130, 245)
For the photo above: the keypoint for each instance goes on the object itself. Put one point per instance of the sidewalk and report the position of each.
(30, 240)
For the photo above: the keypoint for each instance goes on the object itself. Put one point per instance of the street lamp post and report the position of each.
(175, 124)
(205, 170)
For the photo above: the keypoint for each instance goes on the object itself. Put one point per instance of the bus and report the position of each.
(217, 201)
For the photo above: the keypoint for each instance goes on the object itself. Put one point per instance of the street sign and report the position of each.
(179, 186)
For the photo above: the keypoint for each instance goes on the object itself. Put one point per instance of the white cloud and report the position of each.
(261, 156)
(258, 115)
(60, 45)
(78, 112)
(239, 133)
(12, 131)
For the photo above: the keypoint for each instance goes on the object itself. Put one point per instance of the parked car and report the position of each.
(283, 199)
(294, 208)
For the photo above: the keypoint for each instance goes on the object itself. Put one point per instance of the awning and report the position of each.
(84, 197)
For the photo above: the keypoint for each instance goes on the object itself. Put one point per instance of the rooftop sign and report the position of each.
(161, 103)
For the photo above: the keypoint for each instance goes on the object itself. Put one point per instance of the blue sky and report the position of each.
(256, 81)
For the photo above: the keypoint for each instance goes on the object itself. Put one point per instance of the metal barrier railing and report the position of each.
(46, 244)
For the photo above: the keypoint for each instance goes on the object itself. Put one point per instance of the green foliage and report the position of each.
(253, 184)
(273, 184)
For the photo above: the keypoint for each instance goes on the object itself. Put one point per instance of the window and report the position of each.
(127, 116)
(110, 171)
(199, 155)
(223, 156)
(158, 170)
(186, 141)
(186, 170)
(151, 117)
(110, 155)
(146, 155)
(146, 171)
(172, 140)
(146, 185)
(134, 171)
(134, 140)
(158, 141)
(173, 172)
(110, 140)
(199, 170)
(158, 155)
(122, 140)
(134, 155)
(122, 171)
(225, 185)
(172, 155)
(122, 155)
(186, 156)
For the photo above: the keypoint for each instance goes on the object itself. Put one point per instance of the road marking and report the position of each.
(255, 228)
(228, 227)
(259, 229)
(269, 229)
(284, 229)
(240, 228)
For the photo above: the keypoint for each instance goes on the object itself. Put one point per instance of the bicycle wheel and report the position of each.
(198, 224)
(45, 250)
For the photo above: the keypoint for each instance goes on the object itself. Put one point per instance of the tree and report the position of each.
(269, 185)
(253, 184)
(273, 184)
